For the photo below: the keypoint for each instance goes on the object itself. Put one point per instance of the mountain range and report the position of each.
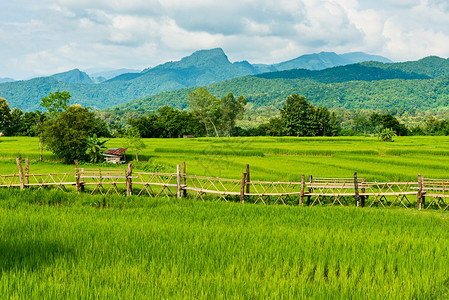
(416, 85)
(203, 67)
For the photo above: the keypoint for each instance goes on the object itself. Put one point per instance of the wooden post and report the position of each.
(242, 188)
(82, 182)
(184, 180)
(419, 195)
(310, 188)
(301, 193)
(247, 179)
(77, 176)
(178, 181)
(363, 198)
(19, 166)
(356, 190)
(423, 193)
(129, 180)
(27, 171)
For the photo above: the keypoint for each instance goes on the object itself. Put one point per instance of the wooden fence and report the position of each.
(311, 192)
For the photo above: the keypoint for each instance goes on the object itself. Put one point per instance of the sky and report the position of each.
(44, 37)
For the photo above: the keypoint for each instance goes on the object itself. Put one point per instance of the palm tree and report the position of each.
(95, 147)
(387, 134)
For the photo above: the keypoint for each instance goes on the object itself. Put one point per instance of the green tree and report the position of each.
(134, 141)
(95, 147)
(15, 125)
(231, 110)
(5, 116)
(207, 108)
(56, 103)
(387, 134)
(301, 118)
(66, 135)
(296, 114)
(274, 127)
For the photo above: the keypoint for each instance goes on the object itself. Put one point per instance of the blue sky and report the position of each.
(42, 37)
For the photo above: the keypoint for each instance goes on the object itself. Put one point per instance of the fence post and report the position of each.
(184, 180)
(247, 179)
(242, 188)
(178, 181)
(363, 198)
(27, 171)
(77, 176)
(310, 189)
(419, 195)
(19, 166)
(129, 180)
(423, 193)
(82, 182)
(356, 190)
(301, 193)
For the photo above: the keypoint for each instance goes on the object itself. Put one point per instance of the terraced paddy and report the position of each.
(270, 158)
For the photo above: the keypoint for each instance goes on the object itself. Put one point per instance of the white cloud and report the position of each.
(55, 35)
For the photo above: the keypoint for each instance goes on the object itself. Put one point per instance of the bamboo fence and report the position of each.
(351, 191)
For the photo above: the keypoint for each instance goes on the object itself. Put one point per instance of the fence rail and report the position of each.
(316, 191)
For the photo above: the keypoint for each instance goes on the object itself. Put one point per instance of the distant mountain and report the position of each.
(106, 75)
(73, 76)
(432, 66)
(354, 72)
(203, 67)
(352, 87)
(3, 80)
(325, 60)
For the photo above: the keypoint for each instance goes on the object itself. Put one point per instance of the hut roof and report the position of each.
(115, 151)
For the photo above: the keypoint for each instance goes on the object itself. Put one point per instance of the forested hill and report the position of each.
(403, 85)
(201, 68)
(432, 66)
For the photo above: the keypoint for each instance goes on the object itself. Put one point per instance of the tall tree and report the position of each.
(206, 108)
(66, 134)
(15, 125)
(135, 142)
(56, 103)
(301, 118)
(297, 115)
(5, 115)
(231, 110)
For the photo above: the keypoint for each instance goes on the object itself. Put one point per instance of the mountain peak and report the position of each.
(73, 76)
(205, 58)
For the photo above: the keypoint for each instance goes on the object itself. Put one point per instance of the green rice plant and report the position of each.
(399, 152)
(270, 158)
(188, 249)
(210, 152)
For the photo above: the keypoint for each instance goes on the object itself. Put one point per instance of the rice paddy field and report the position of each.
(76, 246)
(63, 246)
(270, 158)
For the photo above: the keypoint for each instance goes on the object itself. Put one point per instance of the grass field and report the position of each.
(65, 246)
(270, 158)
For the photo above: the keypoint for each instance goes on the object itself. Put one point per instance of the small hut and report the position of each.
(115, 155)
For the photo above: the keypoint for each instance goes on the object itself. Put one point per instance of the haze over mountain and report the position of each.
(103, 75)
(7, 79)
(201, 68)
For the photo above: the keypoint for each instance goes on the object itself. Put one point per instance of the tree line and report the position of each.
(73, 131)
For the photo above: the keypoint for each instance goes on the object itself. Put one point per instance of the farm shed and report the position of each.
(115, 155)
